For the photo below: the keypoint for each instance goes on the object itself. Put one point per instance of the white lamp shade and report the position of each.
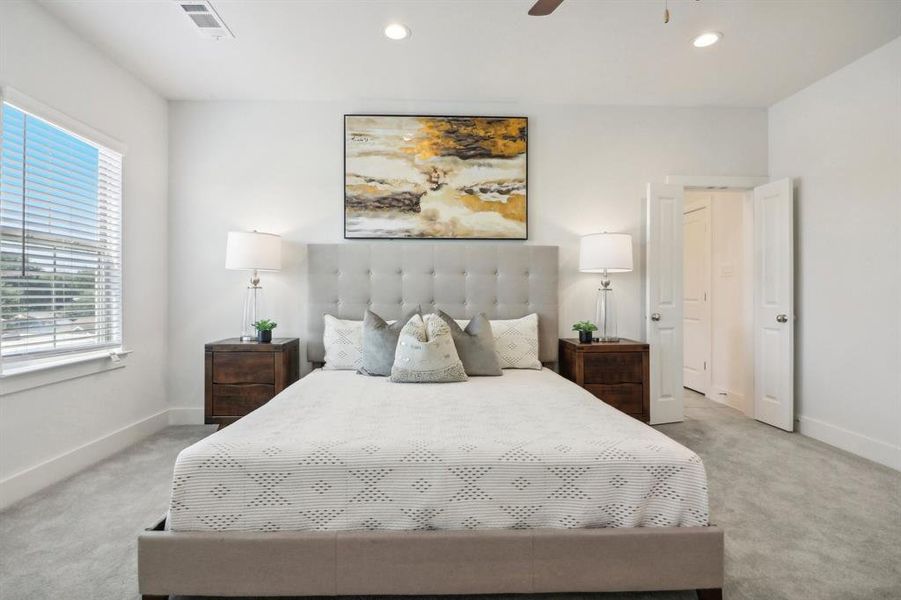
(251, 250)
(606, 251)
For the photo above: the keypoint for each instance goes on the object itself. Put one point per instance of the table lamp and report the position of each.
(253, 251)
(606, 253)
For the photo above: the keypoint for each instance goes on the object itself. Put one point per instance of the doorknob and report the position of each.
(655, 317)
(782, 318)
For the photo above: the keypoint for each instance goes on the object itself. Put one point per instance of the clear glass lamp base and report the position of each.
(253, 307)
(606, 315)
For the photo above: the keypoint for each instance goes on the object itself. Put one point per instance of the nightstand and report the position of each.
(616, 372)
(243, 376)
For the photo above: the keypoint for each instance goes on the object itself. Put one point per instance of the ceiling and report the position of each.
(587, 52)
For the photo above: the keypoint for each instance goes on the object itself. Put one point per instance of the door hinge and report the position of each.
(705, 365)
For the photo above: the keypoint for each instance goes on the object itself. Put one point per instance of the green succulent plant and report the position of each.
(585, 326)
(265, 325)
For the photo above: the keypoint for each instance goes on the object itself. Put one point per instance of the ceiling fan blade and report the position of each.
(544, 7)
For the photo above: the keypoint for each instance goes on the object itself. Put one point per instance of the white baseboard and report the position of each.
(185, 416)
(29, 481)
(730, 399)
(851, 441)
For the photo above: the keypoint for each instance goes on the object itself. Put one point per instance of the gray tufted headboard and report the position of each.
(503, 281)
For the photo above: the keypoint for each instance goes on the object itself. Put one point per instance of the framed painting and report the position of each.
(432, 177)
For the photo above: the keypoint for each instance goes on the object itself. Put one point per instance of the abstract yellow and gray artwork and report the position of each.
(435, 177)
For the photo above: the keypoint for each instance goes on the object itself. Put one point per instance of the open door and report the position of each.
(774, 306)
(696, 317)
(664, 301)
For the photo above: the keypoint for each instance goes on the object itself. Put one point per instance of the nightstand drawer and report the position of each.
(243, 367)
(238, 400)
(627, 397)
(612, 367)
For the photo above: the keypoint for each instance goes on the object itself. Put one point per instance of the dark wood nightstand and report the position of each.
(616, 372)
(243, 376)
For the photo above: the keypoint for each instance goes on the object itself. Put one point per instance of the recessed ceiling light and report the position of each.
(708, 38)
(397, 31)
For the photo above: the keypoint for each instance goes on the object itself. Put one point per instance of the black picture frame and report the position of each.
(434, 116)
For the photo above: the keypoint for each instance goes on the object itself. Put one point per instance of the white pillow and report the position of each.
(426, 353)
(343, 341)
(516, 341)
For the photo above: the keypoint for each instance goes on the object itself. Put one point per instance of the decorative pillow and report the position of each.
(426, 353)
(475, 345)
(516, 341)
(380, 342)
(343, 341)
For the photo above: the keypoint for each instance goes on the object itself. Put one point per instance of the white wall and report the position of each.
(841, 139)
(731, 351)
(50, 432)
(278, 167)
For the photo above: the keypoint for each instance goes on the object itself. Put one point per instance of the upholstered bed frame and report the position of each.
(503, 281)
(463, 280)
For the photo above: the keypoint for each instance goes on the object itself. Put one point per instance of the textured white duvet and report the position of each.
(339, 451)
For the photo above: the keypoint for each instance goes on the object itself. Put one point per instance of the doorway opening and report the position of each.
(717, 295)
(765, 357)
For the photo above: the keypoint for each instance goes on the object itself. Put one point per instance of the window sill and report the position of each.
(40, 373)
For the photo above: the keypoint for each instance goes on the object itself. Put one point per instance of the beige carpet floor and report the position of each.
(803, 520)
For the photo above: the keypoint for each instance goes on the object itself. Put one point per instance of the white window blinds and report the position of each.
(60, 240)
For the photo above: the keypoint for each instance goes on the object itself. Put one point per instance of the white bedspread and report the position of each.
(340, 451)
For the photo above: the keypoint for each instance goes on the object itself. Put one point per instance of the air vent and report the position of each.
(205, 20)
(208, 22)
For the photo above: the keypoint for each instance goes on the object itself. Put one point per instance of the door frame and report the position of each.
(747, 184)
(716, 181)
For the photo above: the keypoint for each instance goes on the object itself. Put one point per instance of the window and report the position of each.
(60, 241)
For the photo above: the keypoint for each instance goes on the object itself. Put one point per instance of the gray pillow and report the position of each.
(475, 345)
(380, 342)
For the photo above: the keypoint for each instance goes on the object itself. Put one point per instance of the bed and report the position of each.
(345, 484)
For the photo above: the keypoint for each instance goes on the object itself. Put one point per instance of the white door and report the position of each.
(664, 301)
(774, 304)
(695, 304)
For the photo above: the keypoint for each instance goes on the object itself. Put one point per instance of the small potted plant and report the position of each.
(264, 329)
(585, 328)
